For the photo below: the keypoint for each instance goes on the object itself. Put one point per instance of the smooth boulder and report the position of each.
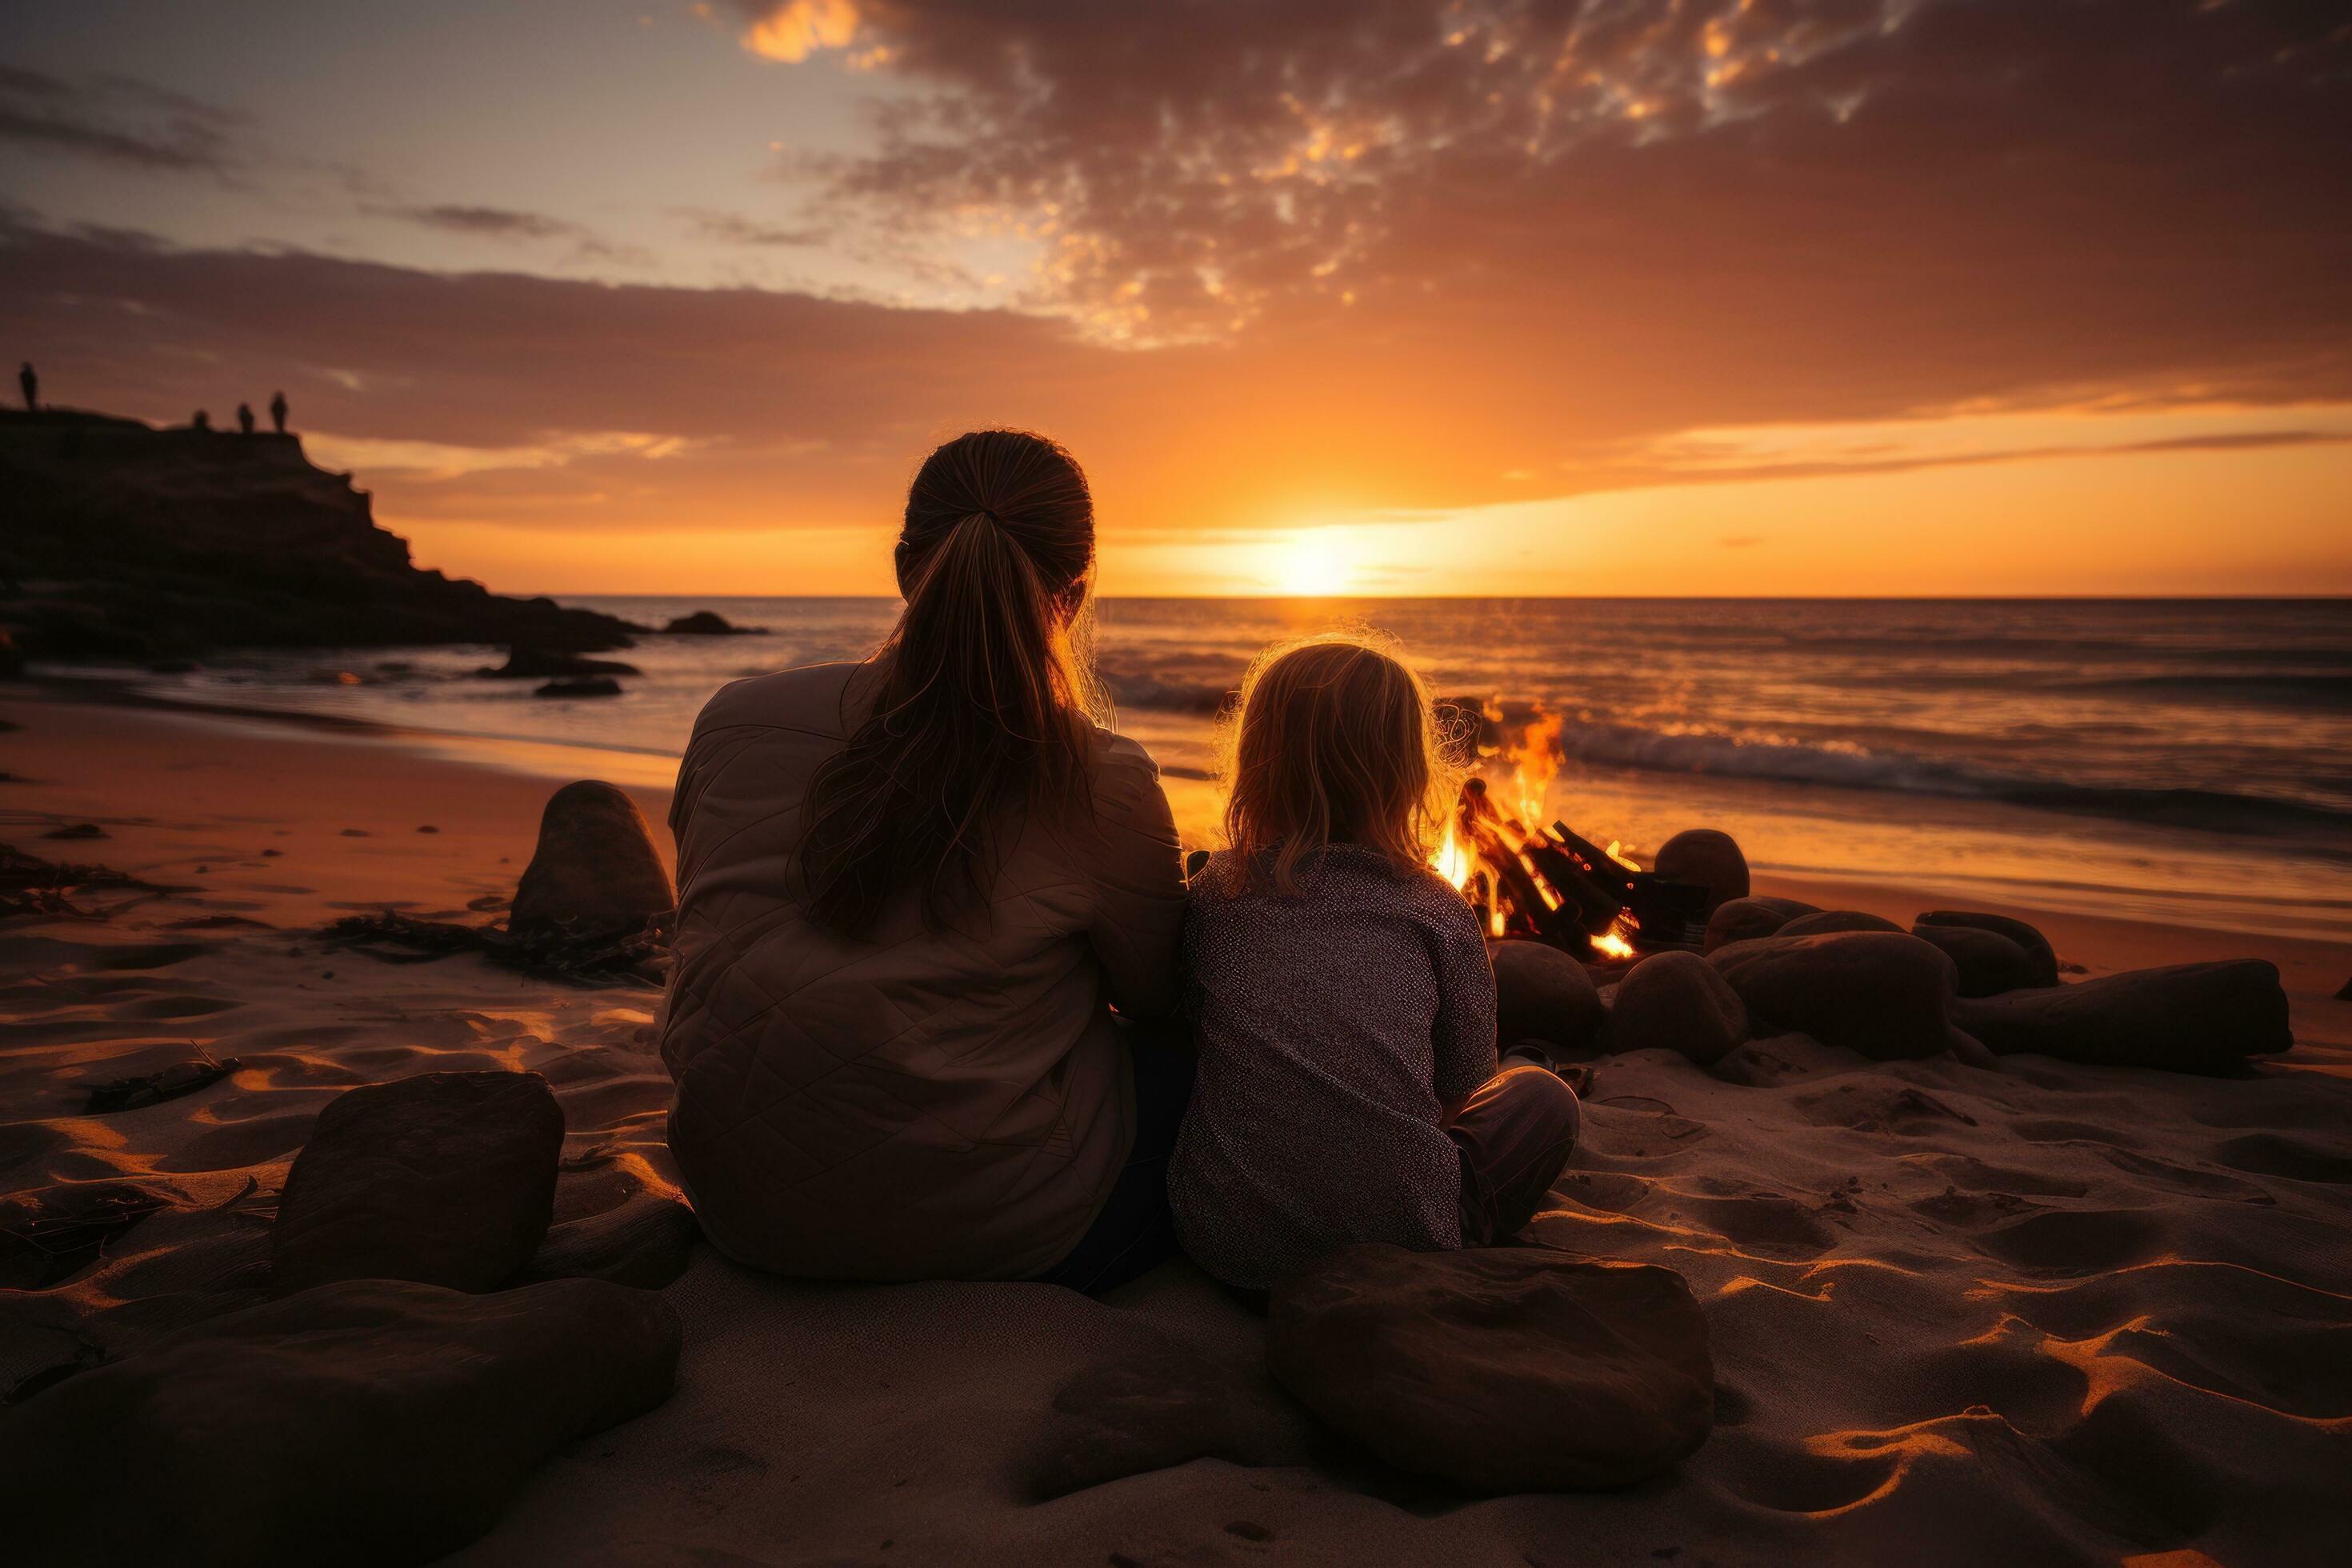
(1541, 994)
(1709, 858)
(1989, 964)
(1677, 1002)
(1500, 1370)
(1743, 920)
(376, 1421)
(645, 1241)
(447, 1178)
(2036, 947)
(596, 873)
(2189, 1017)
(1822, 923)
(1886, 994)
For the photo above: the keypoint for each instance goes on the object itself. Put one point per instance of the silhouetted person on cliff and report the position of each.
(245, 417)
(203, 421)
(31, 383)
(278, 412)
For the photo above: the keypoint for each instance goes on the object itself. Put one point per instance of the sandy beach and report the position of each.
(2046, 1313)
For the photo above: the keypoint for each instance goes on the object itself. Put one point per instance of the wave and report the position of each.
(1847, 766)
(2283, 689)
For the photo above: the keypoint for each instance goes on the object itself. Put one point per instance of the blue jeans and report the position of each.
(1135, 1231)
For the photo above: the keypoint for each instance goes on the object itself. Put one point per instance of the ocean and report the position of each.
(2183, 761)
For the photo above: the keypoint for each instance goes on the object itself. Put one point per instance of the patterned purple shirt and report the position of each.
(1331, 1024)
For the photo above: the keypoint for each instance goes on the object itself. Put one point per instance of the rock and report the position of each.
(709, 624)
(1822, 923)
(1754, 916)
(1987, 962)
(2036, 946)
(1677, 1002)
(375, 1421)
(538, 664)
(77, 830)
(1501, 1370)
(2190, 1017)
(1709, 858)
(595, 873)
(131, 542)
(2345, 995)
(1154, 1410)
(598, 686)
(1541, 994)
(447, 1178)
(1886, 994)
(645, 1241)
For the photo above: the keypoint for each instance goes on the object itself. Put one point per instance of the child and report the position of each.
(1348, 1087)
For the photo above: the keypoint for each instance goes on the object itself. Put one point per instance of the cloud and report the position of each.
(733, 228)
(116, 119)
(2128, 180)
(509, 223)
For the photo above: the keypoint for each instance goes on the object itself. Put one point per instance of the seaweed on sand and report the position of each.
(641, 956)
(155, 1088)
(33, 888)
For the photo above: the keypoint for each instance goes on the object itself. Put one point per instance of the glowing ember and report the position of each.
(1612, 944)
(1621, 855)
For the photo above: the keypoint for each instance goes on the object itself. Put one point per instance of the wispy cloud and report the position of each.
(734, 229)
(118, 119)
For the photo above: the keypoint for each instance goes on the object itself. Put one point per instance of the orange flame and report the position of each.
(1534, 756)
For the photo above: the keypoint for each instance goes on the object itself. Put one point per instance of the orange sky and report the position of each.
(1876, 296)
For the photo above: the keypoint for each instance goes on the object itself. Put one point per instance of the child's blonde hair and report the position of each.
(1334, 741)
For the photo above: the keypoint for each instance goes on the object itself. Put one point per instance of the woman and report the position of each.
(909, 888)
(1349, 1086)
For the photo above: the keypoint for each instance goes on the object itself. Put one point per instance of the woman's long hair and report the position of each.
(1334, 741)
(983, 694)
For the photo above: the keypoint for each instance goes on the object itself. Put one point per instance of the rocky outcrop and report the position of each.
(2189, 1017)
(709, 624)
(1677, 1002)
(376, 1421)
(1501, 1370)
(1886, 994)
(447, 1178)
(1989, 964)
(1709, 858)
(594, 874)
(123, 541)
(1541, 994)
(538, 664)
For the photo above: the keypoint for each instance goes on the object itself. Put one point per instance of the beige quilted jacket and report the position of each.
(913, 1105)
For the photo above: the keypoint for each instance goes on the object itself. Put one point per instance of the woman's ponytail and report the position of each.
(983, 693)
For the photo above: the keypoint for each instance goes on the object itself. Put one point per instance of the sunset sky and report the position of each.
(1370, 296)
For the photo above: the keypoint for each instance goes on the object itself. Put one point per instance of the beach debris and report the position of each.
(2036, 947)
(541, 664)
(1743, 920)
(1886, 994)
(153, 1088)
(392, 937)
(2189, 1017)
(1677, 1002)
(77, 830)
(49, 1234)
(710, 624)
(33, 888)
(1709, 858)
(416, 1414)
(595, 872)
(447, 1178)
(645, 1241)
(1500, 1370)
(596, 686)
(1542, 994)
(2345, 995)
(1156, 1406)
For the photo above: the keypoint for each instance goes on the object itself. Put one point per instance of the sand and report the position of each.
(2047, 1313)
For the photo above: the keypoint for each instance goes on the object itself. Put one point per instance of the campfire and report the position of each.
(1549, 884)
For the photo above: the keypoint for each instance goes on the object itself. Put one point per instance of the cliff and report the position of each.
(120, 540)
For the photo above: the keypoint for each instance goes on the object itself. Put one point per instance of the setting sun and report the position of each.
(1316, 564)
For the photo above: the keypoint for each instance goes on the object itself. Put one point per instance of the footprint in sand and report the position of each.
(2076, 1241)
(1877, 1106)
(2273, 1154)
